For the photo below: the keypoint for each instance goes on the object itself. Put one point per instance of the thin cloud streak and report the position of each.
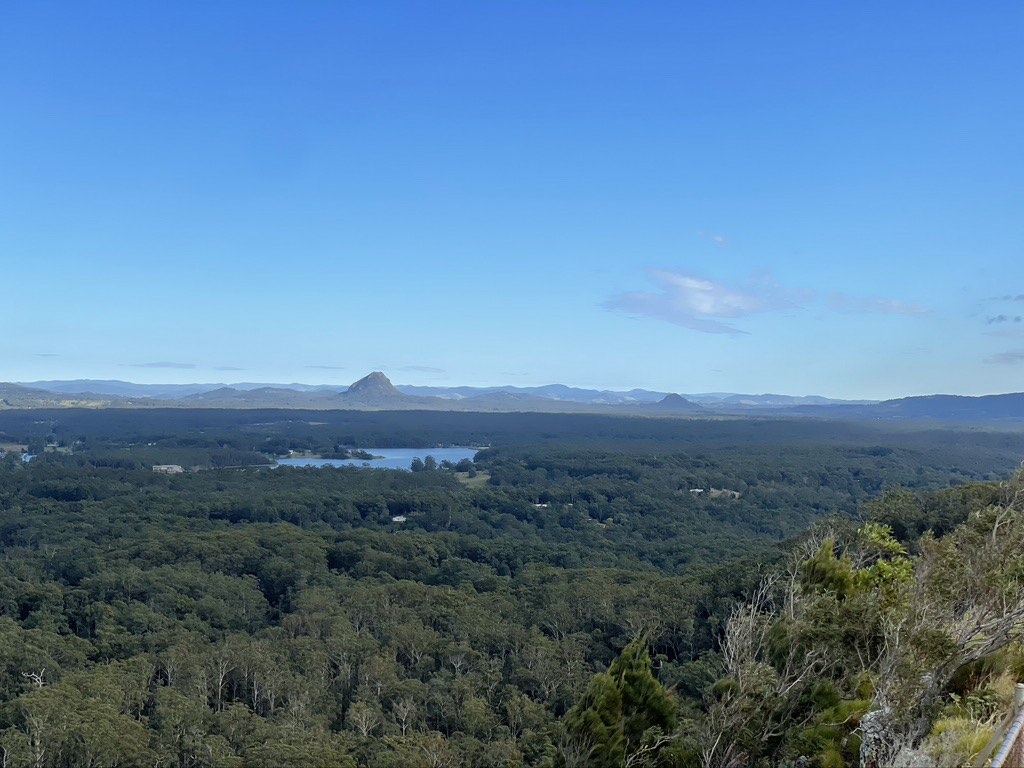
(996, 319)
(421, 369)
(163, 364)
(1011, 357)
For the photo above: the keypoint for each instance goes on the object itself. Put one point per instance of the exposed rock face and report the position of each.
(375, 389)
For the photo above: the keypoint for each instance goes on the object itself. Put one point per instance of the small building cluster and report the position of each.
(168, 469)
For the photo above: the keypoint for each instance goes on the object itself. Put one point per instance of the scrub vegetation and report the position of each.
(583, 600)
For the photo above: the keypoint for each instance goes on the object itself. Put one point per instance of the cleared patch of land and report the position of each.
(481, 479)
(724, 493)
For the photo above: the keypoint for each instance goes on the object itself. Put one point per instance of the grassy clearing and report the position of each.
(481, 479)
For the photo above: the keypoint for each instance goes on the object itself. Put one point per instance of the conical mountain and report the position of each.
(375, 383)
(375, 389)
(674, 402)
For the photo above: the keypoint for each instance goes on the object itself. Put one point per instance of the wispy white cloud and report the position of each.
(228, 368)
(842, 302)
(1010, 357)
(163, 364)
(701, 304)
(720, 240)
(707, 306)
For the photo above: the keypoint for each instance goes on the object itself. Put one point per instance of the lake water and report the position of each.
(394, 458)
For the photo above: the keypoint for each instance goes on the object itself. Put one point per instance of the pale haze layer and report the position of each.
(787, 197)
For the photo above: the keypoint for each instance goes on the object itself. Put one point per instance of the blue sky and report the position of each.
(792, 197)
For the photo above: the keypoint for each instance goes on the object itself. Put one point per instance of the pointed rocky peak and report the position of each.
(376, 390)
(376, 384)
(674, 402)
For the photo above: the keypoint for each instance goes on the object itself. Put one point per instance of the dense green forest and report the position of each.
(567, 602)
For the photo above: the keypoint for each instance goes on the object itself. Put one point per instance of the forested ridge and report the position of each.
(566, 606)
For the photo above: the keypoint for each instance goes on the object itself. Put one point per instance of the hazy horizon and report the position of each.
(228, 382)
(796, 198)
(446, 383)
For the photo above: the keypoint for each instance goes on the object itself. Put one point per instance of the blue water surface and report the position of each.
(394, 458)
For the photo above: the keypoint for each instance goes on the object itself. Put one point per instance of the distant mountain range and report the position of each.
(160, 391)
(558, 392)
(376, 392)
(951, 408)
